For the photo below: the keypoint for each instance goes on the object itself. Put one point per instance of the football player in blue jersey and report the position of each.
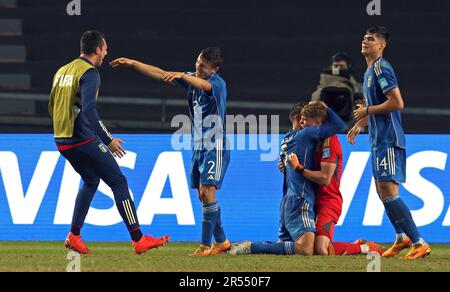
(381, 112)
(207, 95)
(297, 219)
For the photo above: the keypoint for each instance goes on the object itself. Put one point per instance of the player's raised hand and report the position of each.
(117, 149)
(171, 76)
(121, 62)
(292, 160)
(351, 135)
(360, 112)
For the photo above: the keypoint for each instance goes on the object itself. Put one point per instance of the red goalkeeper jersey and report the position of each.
(329, 150)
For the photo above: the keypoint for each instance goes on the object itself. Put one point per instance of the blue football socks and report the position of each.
(210, 212)
(400, 214)
(282, 248)
(219, 233)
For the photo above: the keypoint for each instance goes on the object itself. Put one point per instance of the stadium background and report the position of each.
(273, 56)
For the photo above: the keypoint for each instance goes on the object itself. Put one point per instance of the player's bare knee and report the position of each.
(207, 194)
(320, 247)
(387, 189)
(203, 197)
(321, 250)
(304, 249)
(321, 244)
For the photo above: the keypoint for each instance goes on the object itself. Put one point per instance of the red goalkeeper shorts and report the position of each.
(327, 215)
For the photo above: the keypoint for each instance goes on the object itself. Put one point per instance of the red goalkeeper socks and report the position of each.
(344, 248)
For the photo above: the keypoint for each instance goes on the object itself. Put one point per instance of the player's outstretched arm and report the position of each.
(146, 69)
(192, 80)
(333, 126)
(393, 103)
(322, 177)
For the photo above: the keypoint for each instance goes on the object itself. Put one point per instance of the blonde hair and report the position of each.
(315, 110)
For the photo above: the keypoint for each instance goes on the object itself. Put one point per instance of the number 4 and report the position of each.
(382, 163)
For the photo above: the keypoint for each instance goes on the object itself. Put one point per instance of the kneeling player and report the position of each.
(297, 222)
(328, 199)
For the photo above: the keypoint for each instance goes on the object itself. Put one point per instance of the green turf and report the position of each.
(118, 256)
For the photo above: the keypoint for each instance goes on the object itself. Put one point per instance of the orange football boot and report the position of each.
(148, 242)
(397, 247)
(220, 247)
(75, 243)
(417, 252)
(202, 250)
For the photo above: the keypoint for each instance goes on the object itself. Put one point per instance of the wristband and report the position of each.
(300, 169)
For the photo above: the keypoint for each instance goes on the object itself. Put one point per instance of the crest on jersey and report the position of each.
(102, 148)
(285, 141)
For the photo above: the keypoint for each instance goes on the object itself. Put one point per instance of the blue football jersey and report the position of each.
(384, 130)
(302, 143)
(295, 184)
(207, 110)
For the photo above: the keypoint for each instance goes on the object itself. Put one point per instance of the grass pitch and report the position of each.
(118, 256)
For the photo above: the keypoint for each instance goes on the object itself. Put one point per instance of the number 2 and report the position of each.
(212, 166)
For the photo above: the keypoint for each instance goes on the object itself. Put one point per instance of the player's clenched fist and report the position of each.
(292, 159)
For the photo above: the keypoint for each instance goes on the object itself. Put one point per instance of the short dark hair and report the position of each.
(296, 110)
(213, 55)
(380, 31)
(90, 41)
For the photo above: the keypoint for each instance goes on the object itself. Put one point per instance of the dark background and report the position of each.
(274, 52)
